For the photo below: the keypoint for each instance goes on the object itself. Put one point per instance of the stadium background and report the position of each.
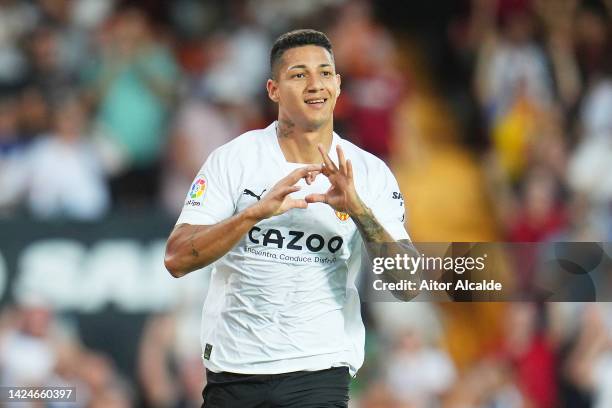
(495, 115)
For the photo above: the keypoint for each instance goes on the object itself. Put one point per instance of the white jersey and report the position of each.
(284, 298)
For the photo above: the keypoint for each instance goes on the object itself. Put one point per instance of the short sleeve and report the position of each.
(387, 203)
(209, 199)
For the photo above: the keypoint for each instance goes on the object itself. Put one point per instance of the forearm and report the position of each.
(379, 243)
(370, 229)
(192, 247)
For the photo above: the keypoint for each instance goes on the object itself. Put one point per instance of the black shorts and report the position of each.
(303, 389)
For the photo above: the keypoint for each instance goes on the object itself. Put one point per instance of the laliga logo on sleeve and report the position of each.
(197, 191)
(342, 216)
(198, 188)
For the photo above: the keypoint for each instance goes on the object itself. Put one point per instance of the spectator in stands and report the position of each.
(590, 362)
(540, 214)
(64, 177)
(34, 113)
(27, 346)
(418, 374)
(133, 88)
(12, 154)
(47, 69)
(513, 64)
(526, 348)
(170, 364)
(199, 128)
(16, 19)
(514, 84)
(105, 386)
(590, 169)
(372, 87)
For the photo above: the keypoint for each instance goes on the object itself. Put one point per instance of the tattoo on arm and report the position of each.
(379, 243)
(369, 227)
(401, 247)
(194, 251)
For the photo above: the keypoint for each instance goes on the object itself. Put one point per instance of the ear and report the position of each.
(272, 88)
(338, 82)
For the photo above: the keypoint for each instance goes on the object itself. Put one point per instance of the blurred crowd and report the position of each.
(418, 355)
(496, 119)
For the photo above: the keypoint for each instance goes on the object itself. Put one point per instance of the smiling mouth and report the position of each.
(315, 102)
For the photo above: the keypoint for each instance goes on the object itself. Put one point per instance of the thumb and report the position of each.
(298, 204)
(316, 198)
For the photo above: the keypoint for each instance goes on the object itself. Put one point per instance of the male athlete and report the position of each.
(283, 213)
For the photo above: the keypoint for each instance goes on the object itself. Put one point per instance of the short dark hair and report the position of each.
(297, 38)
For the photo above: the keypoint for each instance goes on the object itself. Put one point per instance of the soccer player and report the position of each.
(282, 214)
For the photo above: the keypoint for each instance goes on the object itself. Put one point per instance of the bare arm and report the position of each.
(192, 247)
(379, 243)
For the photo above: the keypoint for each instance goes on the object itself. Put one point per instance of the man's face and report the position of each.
(306, 86)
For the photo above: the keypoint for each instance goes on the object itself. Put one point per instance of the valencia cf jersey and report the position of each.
(284, 298)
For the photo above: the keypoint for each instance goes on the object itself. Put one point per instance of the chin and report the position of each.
(312, 124)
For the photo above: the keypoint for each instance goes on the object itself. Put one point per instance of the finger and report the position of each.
(308, 178)
(311, 176)
(341, 159)
(326, 171)
(349, 169)
(297, 204)
(285, 191)
(316, 198)
(326, 159)
(315, 173)
(297, 174)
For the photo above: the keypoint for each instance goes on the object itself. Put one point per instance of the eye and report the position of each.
(326, 73)
(300, 75)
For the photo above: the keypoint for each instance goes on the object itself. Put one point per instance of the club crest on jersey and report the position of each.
(196, 193)
(342, 216)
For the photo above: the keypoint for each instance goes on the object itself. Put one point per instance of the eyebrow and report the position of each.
(302, 66)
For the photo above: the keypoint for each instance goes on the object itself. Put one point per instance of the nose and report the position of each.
(314, 84)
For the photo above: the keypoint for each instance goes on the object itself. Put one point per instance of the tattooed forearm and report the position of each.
(194, 252)
(402, 247)
(369, 227)
(380, 244)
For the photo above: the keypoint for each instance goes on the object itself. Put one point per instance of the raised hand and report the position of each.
(277, 200)
(341, 195)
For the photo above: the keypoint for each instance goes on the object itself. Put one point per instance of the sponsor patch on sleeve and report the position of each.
(197, 192)
(396, 195)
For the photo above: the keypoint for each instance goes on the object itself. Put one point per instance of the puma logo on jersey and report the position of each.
(252, 194)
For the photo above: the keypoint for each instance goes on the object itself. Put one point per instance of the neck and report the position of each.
(300, 145)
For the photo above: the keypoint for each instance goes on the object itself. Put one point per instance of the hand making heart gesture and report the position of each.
(341, 195)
